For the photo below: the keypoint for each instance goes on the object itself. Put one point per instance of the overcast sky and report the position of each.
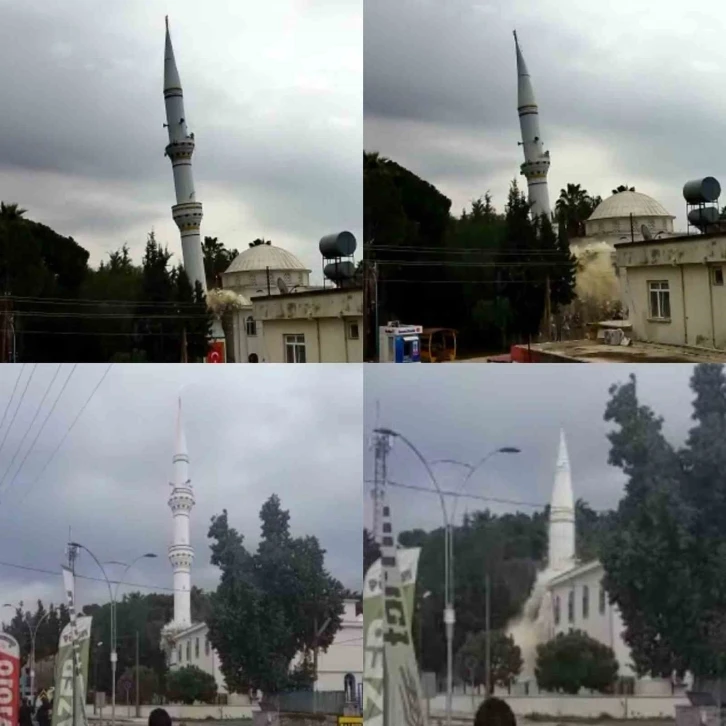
(627, 93)
(464, 412)
(251, 431)
(273, 93)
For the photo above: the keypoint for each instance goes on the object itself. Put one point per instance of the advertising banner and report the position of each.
(373, 616)
(9, 680)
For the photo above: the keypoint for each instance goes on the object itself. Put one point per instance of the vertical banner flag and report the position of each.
(403, 693)
(72, 664)
(9, 680)
(373, 675)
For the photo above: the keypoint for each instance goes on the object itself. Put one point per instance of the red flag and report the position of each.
(217, 352)
(9, 680)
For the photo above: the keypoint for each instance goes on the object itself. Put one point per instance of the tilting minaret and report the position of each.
(562, 514)
(536, 161)
(181, 554)
(187, 212)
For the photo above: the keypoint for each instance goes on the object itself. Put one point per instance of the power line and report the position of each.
(96, 333)
(65, 435)
(92, 302)
(106, 316)
(12, 395)
(27, 431)
(20, 403)
(42, 426)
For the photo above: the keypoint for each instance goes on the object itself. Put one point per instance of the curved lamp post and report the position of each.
(449, 613)
(112, 595)
(33, 630)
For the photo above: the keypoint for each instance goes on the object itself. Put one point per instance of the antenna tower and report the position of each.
(381, 448)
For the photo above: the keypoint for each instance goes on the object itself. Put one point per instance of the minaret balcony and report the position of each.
(182, 149)
(181, 556)
(187, 215)
(535, 169)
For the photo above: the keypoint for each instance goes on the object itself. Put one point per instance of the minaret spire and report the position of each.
(562, 513)
(187, 212)
(536, 160)
(181, 553)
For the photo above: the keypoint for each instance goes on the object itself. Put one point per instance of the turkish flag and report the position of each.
(9, 680)
(217, 352)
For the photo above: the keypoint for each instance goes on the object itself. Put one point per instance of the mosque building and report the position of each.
(569, 595)
(187, 643)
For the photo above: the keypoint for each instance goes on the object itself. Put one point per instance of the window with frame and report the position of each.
(179, 660)
(571, 607)
(603, 600)
(557, 609)
(251, 327)
(353, 331)
(189, 650)
(660, 299)
(717, 276)
(206, 646)
(295, 348)
(585, 602)
(196, 649)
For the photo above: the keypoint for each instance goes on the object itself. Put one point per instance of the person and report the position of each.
(159, 717)
(494, 712)
(43, 715)
(25, 714)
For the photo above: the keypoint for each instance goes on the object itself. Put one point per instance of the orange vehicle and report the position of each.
(438, 345)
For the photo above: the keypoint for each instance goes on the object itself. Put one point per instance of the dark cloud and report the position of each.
(463, 412)
(293, 431)
(625, 94)
(273, 95)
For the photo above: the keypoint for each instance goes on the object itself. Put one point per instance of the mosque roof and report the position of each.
(623, 204)
(262, 257)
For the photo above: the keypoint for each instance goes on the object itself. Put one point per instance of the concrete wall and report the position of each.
(698, 307)
(180, 712)
(207, 661)
(326, 340)
(574, 706)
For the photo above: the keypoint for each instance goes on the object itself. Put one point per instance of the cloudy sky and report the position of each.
(252, 431)
(464, 412)
(626, 94)
(273, 94)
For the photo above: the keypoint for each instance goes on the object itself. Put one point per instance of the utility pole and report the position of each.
(138, 696)
(184, 351)
(72, 555)
(487, 620)
(381, 446)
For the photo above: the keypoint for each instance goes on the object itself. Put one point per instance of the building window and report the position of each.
(206, 646)
(179, 660)
(571, 607)
(585, 602)
(189, 650)
(196, 649)
(295, 348)
(251, 326)
(353, 331)
(717, 276)
(602, 600)
(557, 609)
(660, 300)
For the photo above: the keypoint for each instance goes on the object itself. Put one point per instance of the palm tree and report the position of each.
(623, 188)
(573, 207)
(11, 212)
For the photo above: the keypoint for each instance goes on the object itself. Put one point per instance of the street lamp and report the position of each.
(112, 594)
(449, 613)
(33, 630)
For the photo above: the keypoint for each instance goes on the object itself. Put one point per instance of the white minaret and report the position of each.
(187, 211)
(536, 161)
(562, 514)
(181, 554)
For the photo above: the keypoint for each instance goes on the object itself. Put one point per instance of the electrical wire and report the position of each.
(65, 435)
(27, 431)
(12, 395)
(42, 426)
(20, 403)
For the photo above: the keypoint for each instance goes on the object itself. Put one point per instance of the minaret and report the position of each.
(536, 161)
(187, 212)
(562, 514)
(181, 554)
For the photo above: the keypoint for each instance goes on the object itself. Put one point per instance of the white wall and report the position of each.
(345, 654)
(207, 661)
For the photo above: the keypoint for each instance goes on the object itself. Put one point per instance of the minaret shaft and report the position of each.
(187, 211)
(536, 159)
(562, 514)
(181, 553)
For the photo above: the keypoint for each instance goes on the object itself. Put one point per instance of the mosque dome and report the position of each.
(613, 215)
(264, 257)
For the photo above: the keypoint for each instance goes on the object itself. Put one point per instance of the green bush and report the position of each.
(190, 684)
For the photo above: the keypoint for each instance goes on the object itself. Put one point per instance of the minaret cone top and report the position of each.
(562, 492)
(180, 445)
(525, 94)
(171, 74)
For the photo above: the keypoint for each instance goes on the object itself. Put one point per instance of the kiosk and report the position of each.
(400, 343)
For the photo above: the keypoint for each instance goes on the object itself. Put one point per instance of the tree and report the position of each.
(190, 684)
(574, 660)
(148, 684)
(573, 207)
(506, 659)
(562, 268)
(371, 550)
(11, 212)
(217, 258)
(271, 605)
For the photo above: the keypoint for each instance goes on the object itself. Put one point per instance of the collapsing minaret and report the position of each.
(536, 161)
(181, 554)
(187, 212)
(562, 514)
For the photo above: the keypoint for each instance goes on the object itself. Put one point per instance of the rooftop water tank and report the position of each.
(701, 191)
(703, 216)
(341, 244)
